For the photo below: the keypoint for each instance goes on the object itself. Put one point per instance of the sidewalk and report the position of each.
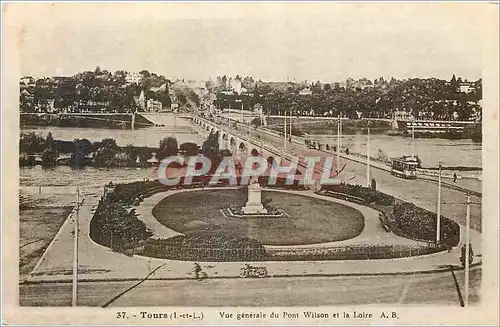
(100, 263)
(463, 184)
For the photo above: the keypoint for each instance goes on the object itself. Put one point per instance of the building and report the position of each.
(141, 101)
(153, 105)
(26, 101)
(46, 105)
(466, 87)
(236, 85)
(305, 91)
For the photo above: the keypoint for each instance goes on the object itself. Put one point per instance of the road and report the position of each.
(437, 288)
(421, 192)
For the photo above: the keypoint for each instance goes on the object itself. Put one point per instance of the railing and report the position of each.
(269, 146)
(353, 252)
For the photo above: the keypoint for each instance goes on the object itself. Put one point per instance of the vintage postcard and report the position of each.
(281, 163)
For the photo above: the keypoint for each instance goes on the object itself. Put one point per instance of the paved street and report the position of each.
(421, 192)
(438, 288)
(97, 262)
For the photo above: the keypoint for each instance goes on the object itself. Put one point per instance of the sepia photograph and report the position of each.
(250, 163)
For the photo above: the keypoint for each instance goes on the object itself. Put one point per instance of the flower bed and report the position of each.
(128, 193)
(204, 246)
(115, 227)
(361, 252)
(420, 224)
(368, 194)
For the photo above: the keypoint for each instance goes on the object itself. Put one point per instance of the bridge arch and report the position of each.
(272, 161)
(255, 152)
(242, 150)
(223, 141)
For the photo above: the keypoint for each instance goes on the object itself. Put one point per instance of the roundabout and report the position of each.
(98, 262)
(309, 221)
(318, 227)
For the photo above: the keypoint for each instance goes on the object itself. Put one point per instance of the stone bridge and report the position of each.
(238, 142)
(242, 144)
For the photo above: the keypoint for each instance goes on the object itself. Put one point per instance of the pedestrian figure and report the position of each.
(455, 177)
(197, 270)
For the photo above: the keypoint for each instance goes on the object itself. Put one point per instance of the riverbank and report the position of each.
(312, 127)
(110, 121)
(40, 217)
(307, 125)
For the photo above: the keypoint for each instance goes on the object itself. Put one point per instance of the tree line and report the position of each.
(93, 90)
(47, 151)
(430, 98)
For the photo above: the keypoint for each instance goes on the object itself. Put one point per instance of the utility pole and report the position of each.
(467, 253)
(368, 157)
(285, 129)
(339, 134)
(413, 138)
(438, 220)
(242, 116)
(290, 124)
(75, 250)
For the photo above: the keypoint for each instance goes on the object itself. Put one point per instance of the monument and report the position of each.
(254, 203)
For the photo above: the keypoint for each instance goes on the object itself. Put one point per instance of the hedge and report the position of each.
(403, 218)
(205, 246)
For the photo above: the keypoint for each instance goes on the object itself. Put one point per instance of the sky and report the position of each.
(269, 41)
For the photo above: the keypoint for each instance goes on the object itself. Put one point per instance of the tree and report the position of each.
(145, 73)
(168, 147)
(81, 149)
(105, 155)
(49, 157)
(31, 143)
(211, 143)
(190, 148)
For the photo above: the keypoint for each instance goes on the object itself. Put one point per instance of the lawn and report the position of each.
(311, 220)
(38, 224)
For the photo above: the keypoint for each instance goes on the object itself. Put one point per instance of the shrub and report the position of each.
(205, 245)
(117, 228)
(405, 219)
(417, 223)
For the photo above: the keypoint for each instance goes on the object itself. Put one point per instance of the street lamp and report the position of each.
(467, 242)
(75, 251)
(285, 129)
(438, 219)
(339, 135)
(413, 137)
(368, 156)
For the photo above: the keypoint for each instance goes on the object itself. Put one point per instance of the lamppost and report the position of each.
(339, 135)
(438, 219)
(413, 137)
(368, 156)
(285, 129)
(467, 252)
(75, 251)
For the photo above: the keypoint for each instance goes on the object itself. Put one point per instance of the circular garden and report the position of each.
(311, 220)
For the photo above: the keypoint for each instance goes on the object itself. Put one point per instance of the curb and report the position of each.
(387, 169)
(132, 279)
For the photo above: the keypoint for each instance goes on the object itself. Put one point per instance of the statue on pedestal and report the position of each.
(254, 203)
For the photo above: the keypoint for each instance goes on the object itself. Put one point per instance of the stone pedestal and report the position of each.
(254, 203)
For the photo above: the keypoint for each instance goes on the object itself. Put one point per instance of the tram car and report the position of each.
(405, 167)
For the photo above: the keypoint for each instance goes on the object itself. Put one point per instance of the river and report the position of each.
(430, 151)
